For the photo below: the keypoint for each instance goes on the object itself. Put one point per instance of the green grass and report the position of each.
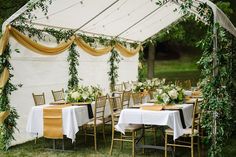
(185, 68)
(82, 149)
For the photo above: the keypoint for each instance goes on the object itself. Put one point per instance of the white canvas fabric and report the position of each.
(125, 19)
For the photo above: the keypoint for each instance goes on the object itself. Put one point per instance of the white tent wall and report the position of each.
(39, 73)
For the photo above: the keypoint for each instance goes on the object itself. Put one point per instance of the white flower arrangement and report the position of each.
(83, 94)
(148, 85)
(170, 94)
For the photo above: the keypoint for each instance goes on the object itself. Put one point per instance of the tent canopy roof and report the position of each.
(124, 19)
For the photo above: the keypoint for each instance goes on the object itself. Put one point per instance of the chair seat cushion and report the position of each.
(98, 122)
(133, 127)
(187, 131)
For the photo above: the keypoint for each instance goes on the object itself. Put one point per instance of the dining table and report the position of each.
(177, 119)
(73, 117)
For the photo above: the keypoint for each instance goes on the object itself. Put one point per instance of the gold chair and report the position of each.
(137, 99)
(127, 86)
(151, 92)
(39, 99)
(125, 99)
(58, 95)
(188, 133)
(132, 129)
(187, 84)
(98, 120)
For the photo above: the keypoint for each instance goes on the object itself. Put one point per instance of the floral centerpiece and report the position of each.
(83, 93)
(148, 85)
(170, 94)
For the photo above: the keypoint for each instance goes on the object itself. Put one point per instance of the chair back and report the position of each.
(119, 87)
(196, 116)
(58, 95)
(127, 86)
(151, 94)
(99, 111)
(39, 99)
(125, 100)
(113, 101)
(137, 98)
(187, 84)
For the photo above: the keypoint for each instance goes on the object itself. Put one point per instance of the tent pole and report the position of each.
(215, 73)
(96, 16)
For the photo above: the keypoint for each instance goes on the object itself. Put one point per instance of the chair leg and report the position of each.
(104, 136)
(95, 138)
(155, 136)
(112, 142)
(121, 146)
(198, 146)
(165, 144)
(143, 150)
(133, 143)
(192, 147)
(85, 135)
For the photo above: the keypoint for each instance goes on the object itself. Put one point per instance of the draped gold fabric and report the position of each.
(44, 50)
(36, 47)
(90, 50)
(4, 40)
(3, 116)
(52, 121)
(125, 52)
(4, 77)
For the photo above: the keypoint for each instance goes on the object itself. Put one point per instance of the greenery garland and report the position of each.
(73, 64)
(113, 61)
(7, 129)
(141, 69)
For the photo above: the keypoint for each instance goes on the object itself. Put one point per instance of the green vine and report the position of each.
(217, 102)
(73, 64)
(8, 128)
(113, 61)
(141, 70)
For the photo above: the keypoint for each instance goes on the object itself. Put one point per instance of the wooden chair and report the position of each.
(127, 86)
(151, 92)
(188, 133)
(132, 129)
(187, 84)
(58, 95)
(125, 99)
(39, 99)
(98, 120)
(137, 99)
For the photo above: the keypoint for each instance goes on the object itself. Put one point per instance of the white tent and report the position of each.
(129, 20)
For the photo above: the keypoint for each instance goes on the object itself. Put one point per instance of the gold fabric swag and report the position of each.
(44, 50)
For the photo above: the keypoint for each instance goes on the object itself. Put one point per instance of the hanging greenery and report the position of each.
(113, 61)
(8, 128)
(73, 64)
(141, 70)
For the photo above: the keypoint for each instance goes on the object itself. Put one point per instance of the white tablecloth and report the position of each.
(163, 118)
(72, 118)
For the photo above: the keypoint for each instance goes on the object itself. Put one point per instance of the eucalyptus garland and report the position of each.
(73, 64)
(8, 128)
(113, 61)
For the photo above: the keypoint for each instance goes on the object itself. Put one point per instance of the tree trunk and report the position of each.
(151, 61)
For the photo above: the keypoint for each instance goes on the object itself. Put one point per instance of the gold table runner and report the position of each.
(52, 121)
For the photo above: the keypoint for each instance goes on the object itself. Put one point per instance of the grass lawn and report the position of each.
(185, 68)
(82, 149)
